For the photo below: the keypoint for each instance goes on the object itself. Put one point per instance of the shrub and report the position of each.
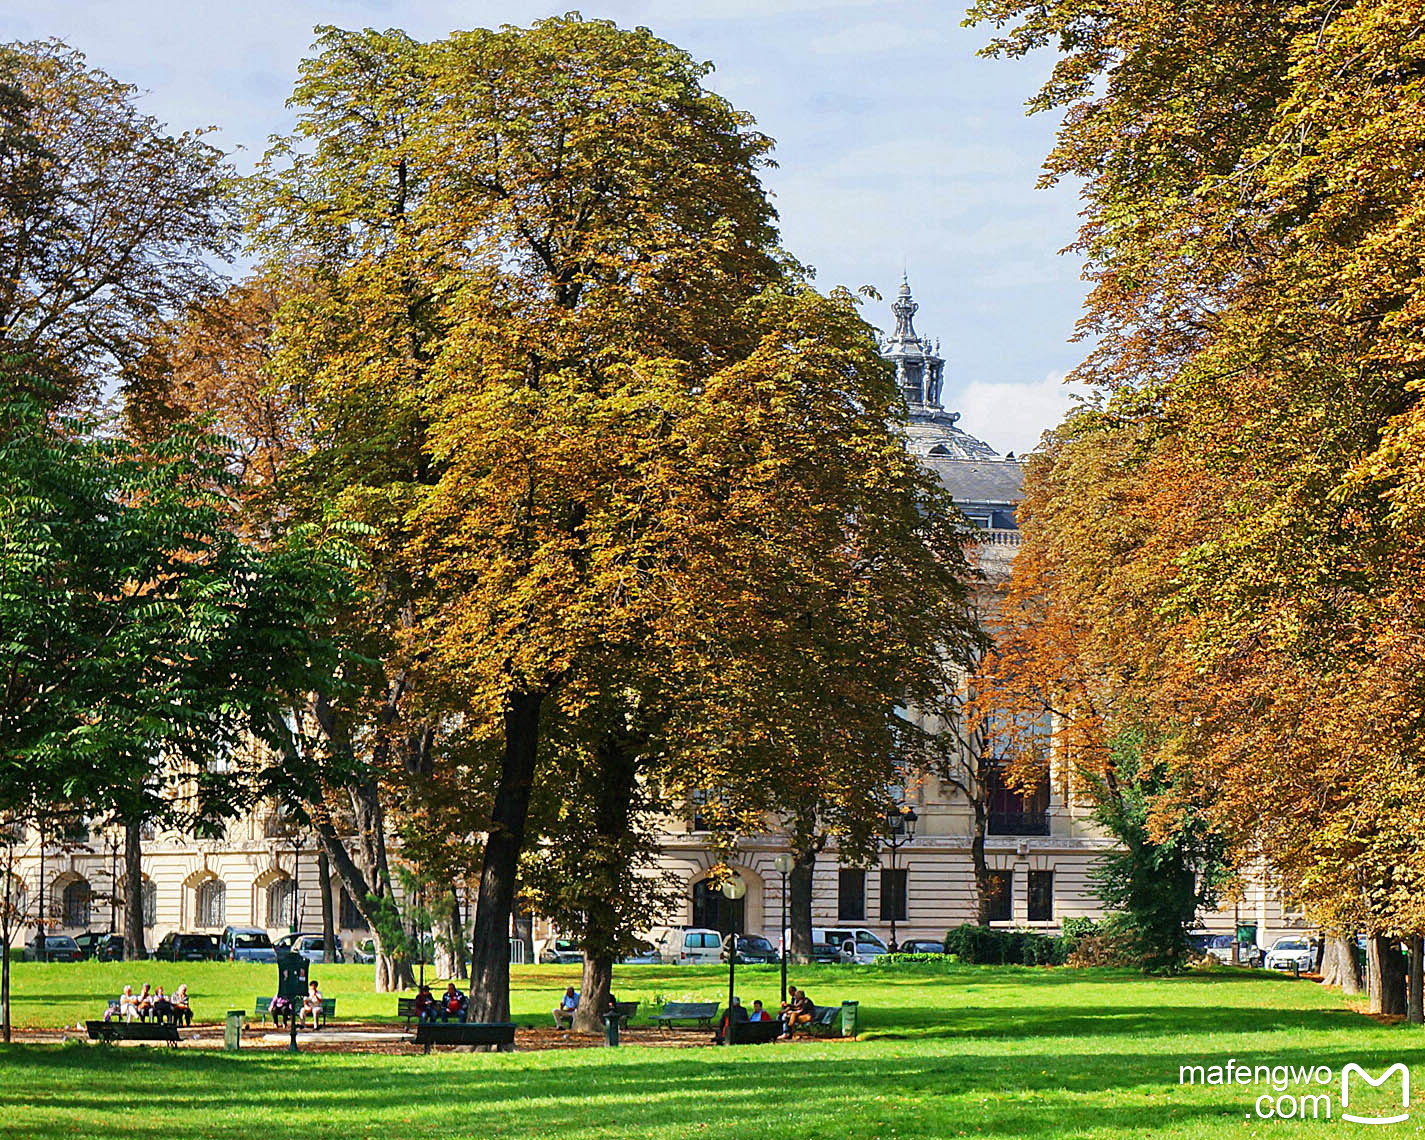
(984, 945)
(1112, 942)
(916, 959)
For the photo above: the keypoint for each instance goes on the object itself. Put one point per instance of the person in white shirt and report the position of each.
(312, 1003)
(564, 1011)
(128, 1004)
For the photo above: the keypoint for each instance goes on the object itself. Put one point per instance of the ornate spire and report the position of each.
(905, 308)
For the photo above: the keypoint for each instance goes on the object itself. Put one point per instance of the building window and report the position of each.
(698, 804)
(1041, 896)
(212, 903)
(1014, 812)
(281, 903)
(76, 903)
(851, 896)
(150, 903)
(351, 918)
(1000, 903)
(893, 890)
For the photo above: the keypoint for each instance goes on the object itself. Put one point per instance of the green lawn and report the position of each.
(973, 1051)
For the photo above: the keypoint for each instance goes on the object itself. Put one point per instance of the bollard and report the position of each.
(232, 1031)
(611, 1028)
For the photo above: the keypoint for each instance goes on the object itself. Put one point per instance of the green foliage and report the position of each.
(985, 945)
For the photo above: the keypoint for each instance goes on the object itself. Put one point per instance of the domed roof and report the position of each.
(920, 373)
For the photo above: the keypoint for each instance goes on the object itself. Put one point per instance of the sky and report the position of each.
(897, 148)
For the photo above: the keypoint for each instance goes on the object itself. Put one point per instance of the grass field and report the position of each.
(956, 1051)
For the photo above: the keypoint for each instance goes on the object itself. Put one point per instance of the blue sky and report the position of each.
(896, 146)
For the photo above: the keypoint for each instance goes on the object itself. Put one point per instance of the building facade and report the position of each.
(1041, 849)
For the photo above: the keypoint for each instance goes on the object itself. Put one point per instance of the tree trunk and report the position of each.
(392, 975)
(598, 981)
(799, 890)
(981, 864)
(134, 947)
(324, 885)
(1415, 1006)
(1385, 974)
(1339, 964)
(490, 943)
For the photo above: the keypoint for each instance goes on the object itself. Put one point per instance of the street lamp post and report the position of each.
(296, 878)
(900, 830)
(733, 889)
(113, 879)
(784, 863)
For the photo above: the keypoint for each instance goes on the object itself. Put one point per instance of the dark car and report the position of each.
(101, 946)
(754, 949)
(825, 952)
(187, 948)
(922, 946)
(52, 948)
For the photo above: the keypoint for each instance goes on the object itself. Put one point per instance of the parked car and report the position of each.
(822, 952)
(312, 947)
(101, 945)
(364, 953)
(754, 950)
(646, 955)
(852, 943)
(246, 944)
(922, 946)
(52, 948)
(187, 948)
(690, 946)
(1291, 950)
(559, 951)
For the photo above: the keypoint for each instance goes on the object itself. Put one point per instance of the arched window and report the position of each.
(212, 903)
(76, 903)
(150, 903)
(281, 902)
(351, 918)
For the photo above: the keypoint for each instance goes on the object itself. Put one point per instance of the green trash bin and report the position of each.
(848, 1018)
(1247, 933)
(232, 1031)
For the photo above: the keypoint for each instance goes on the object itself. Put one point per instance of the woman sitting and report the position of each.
(128, 1005)
(281, 1010)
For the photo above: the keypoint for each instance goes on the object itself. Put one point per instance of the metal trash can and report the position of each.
(232, 1030)
(1247, 933)
(848, 1018)
(611, 1028)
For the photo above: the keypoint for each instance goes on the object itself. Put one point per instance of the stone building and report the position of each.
(1041, 848)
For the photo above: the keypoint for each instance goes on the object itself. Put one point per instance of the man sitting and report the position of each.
(798, 1009)
(312, 1003)
(425, 1004)
(736, 1015)
(182, 1011)
(453, 1004)
(564, 1011)
(162, 1008)
(128, 1005)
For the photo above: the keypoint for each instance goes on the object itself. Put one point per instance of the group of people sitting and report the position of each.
(450, 1006)
(282, 1008)
(152, 1004)
(798, 1009)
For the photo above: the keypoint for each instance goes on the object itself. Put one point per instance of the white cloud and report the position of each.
(1012, 416)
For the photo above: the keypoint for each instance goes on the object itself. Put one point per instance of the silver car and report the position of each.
(1289, 951)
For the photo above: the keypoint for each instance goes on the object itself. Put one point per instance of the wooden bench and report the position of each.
(625, 1010)
(822, 1020)
(430, 1033)
(406, 1009)
(703, 1012)
(110, 1031)
(753, 1032)
(263, 1009)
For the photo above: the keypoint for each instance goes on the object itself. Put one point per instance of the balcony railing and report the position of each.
(1019, 823)
(999, 536)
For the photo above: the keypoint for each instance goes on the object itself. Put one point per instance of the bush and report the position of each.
(917, 959)
(984, 945)
(1112, 942)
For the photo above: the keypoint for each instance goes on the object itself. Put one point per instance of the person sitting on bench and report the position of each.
(452, 1004)
(425, 1004)
(736, 1015)
(798, 1009)
(162, 1008)
(758, 1013)
(182, 1011)
(281, 1010)
(564, 1011)
(145, 1000)
(128, 1005)
(312, 1003)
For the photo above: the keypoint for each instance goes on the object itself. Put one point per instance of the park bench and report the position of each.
(110, 1031)
(753, 1032)
(822, 1020)
(702, 1012)
(430, 1033)
(625, 1010)
(263, 1009)
(406, 1009)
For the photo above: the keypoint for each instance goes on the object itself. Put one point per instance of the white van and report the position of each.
(854, 943)
(687, 945)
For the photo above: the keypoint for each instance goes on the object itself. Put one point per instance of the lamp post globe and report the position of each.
(733, 888)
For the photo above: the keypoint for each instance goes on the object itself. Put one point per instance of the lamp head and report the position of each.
(784, 863)
(733, 887)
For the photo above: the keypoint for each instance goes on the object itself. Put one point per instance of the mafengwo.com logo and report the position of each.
(1359, 1095)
